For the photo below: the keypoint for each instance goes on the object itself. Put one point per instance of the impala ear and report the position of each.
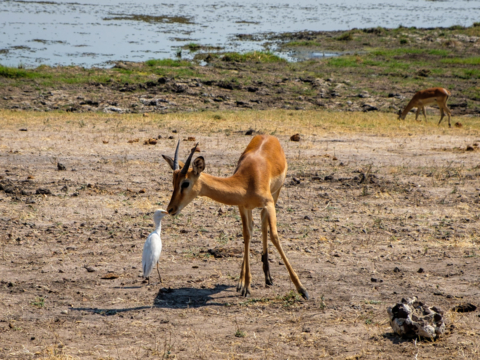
(198, 165)
(169, 161)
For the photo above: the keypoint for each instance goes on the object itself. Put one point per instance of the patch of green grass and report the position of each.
(468, 74)
(167, 63)
(303, 43)
(475, 60)
(290, 299)
(257, 56)
(14, 73)
(240, 333)
(253, 301)
(456, 27)
(39, 302)
(193, 46)
(344, 61)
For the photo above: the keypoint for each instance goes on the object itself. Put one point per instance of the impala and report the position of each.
(256, 183)
(427, 97)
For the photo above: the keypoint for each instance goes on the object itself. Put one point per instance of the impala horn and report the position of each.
(175, 158)
(187, 163)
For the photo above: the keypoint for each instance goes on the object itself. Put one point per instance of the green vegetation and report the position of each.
(167, 63)
(304, 43)
(348, 36)
(466, 61)
(253, 56)
(193, 47)
(14, 73)
(240, 333)
(39, 302)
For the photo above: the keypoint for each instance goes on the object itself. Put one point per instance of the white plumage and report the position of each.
(153, 246)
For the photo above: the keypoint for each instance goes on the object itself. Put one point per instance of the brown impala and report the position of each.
(256, 183)
(426, 97)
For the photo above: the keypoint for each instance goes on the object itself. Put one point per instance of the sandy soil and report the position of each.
(70, 261)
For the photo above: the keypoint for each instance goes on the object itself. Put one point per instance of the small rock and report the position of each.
(64, 312)
(90, 269)
(464, 308)
(150, 141)
(307, 217)
(470, 148)
(396, 270)
(368, 107)
(420, 271)
(61, 167)
(249, 132)
(23, 129)
(295, 137)
(458, 124)
(43, 191)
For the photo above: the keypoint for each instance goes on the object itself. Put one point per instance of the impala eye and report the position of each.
(185, 185)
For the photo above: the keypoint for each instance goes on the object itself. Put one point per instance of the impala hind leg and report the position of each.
(266, 266)
(424, 113)
(272, 221)
(244, 283)
(417, 113)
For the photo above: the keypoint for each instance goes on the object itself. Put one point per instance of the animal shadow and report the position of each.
(183, 298)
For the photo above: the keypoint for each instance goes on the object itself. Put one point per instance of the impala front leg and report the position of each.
(272, 220)
(245, 276)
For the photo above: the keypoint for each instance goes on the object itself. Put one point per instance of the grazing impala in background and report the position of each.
(256, 183)
(427, 97)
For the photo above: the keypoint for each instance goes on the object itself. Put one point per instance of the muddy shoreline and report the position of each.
(380, 70)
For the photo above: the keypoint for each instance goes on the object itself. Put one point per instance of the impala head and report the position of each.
(400, 115)
(185, 180)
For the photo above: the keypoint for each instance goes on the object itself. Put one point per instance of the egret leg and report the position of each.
(158, 271)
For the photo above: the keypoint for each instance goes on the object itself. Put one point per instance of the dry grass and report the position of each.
(280, 122)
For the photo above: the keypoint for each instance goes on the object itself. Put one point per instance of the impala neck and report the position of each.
(229, 191)
(407, 109)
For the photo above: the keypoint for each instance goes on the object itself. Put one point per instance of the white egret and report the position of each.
(153, 246)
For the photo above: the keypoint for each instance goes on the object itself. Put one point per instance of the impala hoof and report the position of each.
(245, 292)
(304, 293)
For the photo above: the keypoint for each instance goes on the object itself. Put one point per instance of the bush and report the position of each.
(348, 36)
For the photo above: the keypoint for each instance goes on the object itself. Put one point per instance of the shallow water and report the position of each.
(95, 33)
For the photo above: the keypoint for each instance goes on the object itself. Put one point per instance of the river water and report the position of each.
(95, 33)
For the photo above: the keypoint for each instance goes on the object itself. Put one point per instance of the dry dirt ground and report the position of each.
(368, 202)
